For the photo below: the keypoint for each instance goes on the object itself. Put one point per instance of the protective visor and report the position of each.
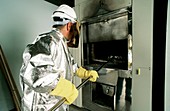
(74, 42)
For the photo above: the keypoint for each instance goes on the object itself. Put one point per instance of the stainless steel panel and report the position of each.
(112, 29)
(99, 7)
(87, 100)
(103, 91)
(108, 76)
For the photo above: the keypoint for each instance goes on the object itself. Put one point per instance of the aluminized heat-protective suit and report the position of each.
(44, 62)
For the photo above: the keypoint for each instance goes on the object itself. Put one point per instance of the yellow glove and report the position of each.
(83, 73)
(65, 89)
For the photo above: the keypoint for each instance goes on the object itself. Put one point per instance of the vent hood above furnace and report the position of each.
(99, 7)
(107, 27)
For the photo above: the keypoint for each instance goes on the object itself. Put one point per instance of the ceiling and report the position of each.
(59, 2)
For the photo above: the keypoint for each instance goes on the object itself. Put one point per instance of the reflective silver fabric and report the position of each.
(44, 62)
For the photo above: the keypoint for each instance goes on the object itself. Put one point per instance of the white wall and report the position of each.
(20, 22)
(167, 69)
(142, 17)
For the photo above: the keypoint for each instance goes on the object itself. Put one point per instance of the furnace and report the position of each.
(105, 35)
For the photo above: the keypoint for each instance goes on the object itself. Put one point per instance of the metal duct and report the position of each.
(89, 9)
(98, 7)
(111, 5)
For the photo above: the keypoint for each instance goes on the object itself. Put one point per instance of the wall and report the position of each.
(6, 102)
(20, 22)
(167, 69)
(142, 54)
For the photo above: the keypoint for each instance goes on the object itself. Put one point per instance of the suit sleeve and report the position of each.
(38, 70)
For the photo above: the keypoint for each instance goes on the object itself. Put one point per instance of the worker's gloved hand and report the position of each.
(65, 89)
(83, 73)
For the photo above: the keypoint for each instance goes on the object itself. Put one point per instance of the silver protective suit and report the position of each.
(44, 62)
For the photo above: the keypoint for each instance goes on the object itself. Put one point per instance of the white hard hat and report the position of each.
(65, 13)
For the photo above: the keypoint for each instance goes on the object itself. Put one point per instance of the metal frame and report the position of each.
(11, 83)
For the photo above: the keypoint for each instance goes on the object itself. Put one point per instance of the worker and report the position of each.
(48, 67)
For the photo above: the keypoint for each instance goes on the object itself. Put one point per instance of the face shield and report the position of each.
(74, 42)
